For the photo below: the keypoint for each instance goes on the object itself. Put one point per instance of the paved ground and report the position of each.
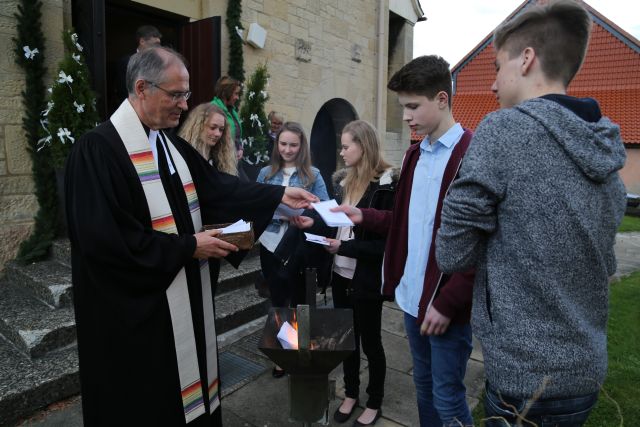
(259, 400)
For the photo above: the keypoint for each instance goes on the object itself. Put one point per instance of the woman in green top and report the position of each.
(227, 93)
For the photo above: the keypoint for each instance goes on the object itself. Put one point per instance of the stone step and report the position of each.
(49, 281)
(32, 326)
(61, 251)
(29, 384)
(237, 307)
(231, 279)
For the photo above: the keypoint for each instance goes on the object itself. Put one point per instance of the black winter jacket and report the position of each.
(367, 247)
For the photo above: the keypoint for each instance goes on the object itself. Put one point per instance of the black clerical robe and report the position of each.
(122, 268)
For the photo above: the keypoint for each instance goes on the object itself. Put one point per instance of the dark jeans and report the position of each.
(439, 365)
(286, 288)
(367, 315)
(556, 412)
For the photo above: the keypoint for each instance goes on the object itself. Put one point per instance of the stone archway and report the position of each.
(325, 137)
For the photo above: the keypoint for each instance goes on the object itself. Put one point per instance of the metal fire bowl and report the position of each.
(332, 329)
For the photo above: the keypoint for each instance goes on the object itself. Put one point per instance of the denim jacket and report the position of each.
(317, 188)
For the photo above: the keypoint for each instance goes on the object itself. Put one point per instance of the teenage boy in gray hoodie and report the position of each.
(535, 209)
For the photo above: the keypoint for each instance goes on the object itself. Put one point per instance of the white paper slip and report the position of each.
(284, 211)
(332, 219)
(314, 238)
(237, 227)
(288, 337)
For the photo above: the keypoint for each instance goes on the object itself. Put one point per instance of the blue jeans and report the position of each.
(439, 365)
(556, 412)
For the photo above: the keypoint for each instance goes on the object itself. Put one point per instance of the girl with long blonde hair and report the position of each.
(368, 181)
(206, 129)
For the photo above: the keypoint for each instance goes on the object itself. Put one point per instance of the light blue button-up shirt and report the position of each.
(425, 191)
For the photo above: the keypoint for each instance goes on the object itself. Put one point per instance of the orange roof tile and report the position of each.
(610, 74)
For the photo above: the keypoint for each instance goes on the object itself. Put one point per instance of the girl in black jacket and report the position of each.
(367, 182)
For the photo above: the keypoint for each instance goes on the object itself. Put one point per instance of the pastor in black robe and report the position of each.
(121, 269)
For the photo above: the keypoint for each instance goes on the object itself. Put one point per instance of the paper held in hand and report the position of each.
(240, 226)
(314, 238)
(332, 219)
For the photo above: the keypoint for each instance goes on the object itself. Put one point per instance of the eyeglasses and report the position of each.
(175, 96)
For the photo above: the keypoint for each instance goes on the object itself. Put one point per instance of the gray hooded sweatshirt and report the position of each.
(535, 209)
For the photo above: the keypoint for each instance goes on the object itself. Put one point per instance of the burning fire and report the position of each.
(288, 333)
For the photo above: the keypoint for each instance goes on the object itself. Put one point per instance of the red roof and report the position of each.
(610, 74)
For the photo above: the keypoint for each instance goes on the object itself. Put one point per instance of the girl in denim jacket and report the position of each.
(290, 166)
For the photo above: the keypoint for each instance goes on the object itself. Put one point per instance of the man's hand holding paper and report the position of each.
(298, 198)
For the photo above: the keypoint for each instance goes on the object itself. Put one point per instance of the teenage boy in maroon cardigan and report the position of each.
(437, 307)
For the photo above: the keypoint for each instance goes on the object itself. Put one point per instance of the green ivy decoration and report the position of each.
(29, 51)
(254, 119)
(234, 28)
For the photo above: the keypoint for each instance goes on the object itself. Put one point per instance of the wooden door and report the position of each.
(200, 44)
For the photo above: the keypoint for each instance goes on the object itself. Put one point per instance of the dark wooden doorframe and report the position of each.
(203, 49)
(88, 21)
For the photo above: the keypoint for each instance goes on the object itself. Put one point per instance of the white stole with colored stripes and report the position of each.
(135, 139)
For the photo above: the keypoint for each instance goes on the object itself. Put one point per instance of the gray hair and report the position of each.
(150, 64)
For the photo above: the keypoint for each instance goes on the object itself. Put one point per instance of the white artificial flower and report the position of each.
(64, 78)
(252, 94)
(64, 133)
(255, 120)
(239, 33)
(74, 39)
(28, 53)
(76, 57)
(42, 142)
(49, 107)
(79, 107)
(264, 94)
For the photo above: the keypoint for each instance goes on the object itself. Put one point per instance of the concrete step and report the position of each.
(49, 281)
(29, 384)
(237, 307)
(32, 326)
(61, 251)
(231, 279)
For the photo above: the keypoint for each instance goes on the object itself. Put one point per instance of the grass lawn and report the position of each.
(629, 223)
(623, 379)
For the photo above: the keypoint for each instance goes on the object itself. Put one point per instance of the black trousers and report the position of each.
(367, 318)
(286, 287)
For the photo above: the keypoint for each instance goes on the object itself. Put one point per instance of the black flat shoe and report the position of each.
(341, 417)
(277, 373)
(357, 423)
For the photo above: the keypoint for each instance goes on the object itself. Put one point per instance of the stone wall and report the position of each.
(317, 51)
(18, 204)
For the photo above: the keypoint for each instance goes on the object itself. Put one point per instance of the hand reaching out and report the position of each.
(301, 222)
(208, 246)
(297, 198)
(334, 245)
(353, 213)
